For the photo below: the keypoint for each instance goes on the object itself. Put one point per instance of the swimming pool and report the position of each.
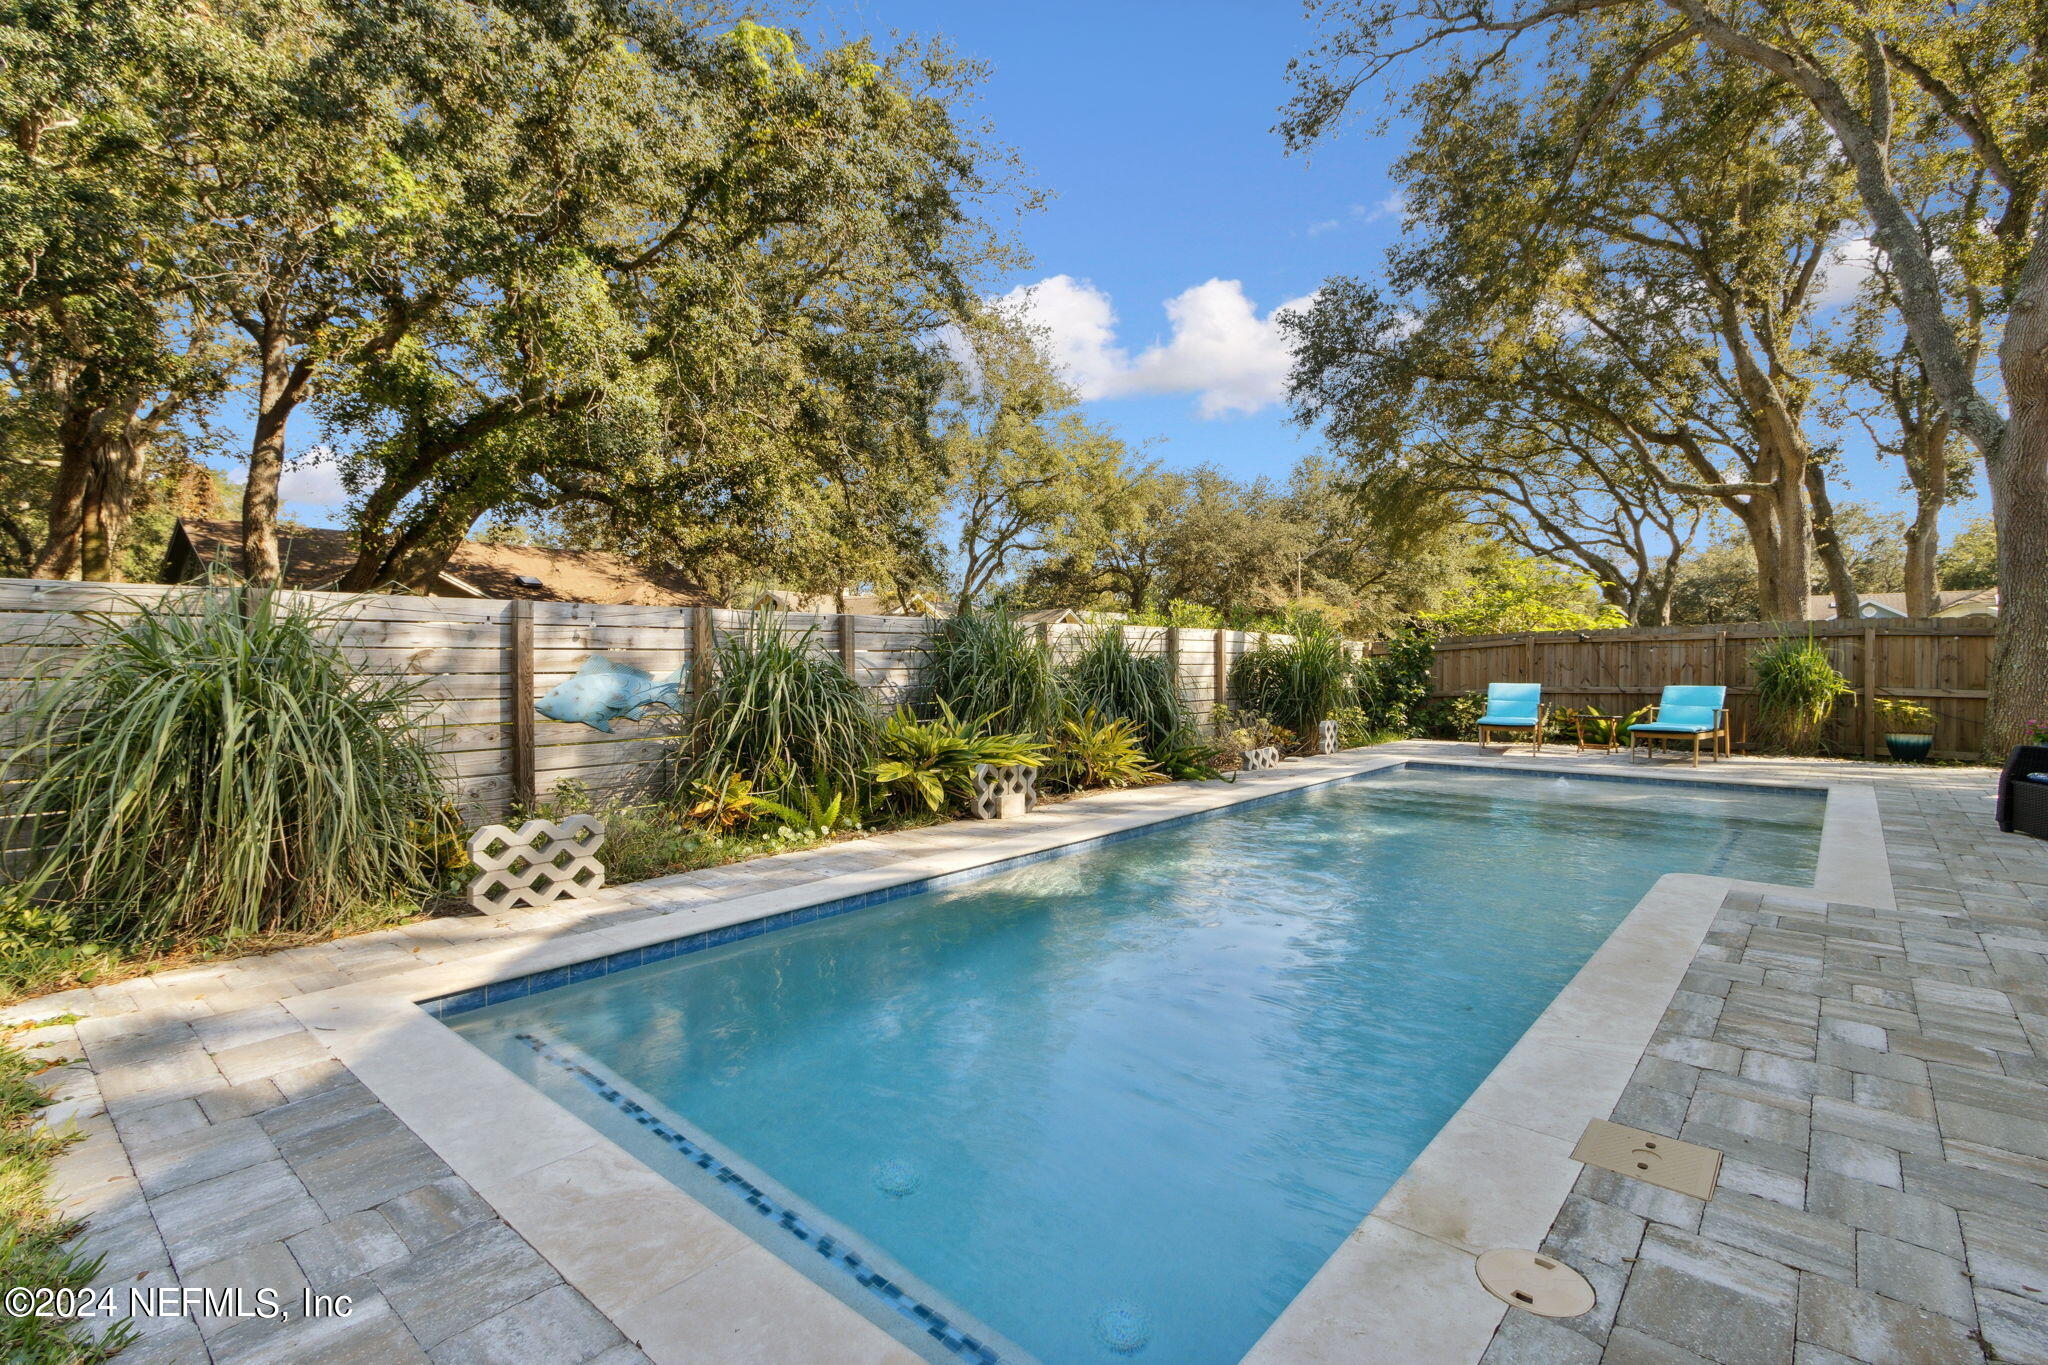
(1130, 1098)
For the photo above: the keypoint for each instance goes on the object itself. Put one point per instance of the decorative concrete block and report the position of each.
(1256, 759)
(1003, 792)
(540, 862)
(1326, 736)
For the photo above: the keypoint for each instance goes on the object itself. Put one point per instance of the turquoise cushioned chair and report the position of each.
(1514, 706)
(1687, 712)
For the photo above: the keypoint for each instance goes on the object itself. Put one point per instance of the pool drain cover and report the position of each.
(1545, 1287)
(1683, 1166)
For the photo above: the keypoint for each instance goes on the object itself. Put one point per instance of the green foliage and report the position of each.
(1796, 691)
(1510, 594)
(1093, 750)
(1970, 560)
(1451, 717)
(1297, 681)
(1901, 716)
(1393, 684)
(1115, 682)
(213, 766)
(645, 839)
(922, 763)
(809, 810)
(723, 802)
(35, 1239)
(777, 710)
(984, 663)
(1237, 731)
(1189, 759)
(1600, 728)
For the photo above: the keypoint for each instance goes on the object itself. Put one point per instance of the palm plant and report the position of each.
(985, 663)
(777, 707)
(1796, 690)
(1115, 682)
(214, 765)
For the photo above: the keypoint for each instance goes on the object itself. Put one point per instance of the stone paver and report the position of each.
(1879, 1082)
(1878, 1079)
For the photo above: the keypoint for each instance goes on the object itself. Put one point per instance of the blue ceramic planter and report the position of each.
(1909, 748)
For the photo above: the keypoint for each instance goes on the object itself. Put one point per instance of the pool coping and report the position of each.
(688, 1286)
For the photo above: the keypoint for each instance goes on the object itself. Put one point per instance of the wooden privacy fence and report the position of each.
(1942, 664)
(483, 663)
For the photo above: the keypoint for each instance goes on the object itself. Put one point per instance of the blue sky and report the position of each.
(1177, 224)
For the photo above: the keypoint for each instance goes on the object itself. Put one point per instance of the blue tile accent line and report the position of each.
(498, 992)
(838, 1254)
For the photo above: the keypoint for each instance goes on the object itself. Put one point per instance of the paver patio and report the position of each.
(1878, 1080)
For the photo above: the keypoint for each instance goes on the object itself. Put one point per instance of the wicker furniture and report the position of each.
(2022, 802)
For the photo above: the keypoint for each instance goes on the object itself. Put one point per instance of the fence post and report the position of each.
(1222, 666)
(1870, 691)
(523, 785)
(1173, 660)
(702, 647)
(1529, 658)
(848, 654)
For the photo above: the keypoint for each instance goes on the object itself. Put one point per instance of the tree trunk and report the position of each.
(281, 387)
(1834, 559)
(1928, 469)
(2018, 475)
(59, 555)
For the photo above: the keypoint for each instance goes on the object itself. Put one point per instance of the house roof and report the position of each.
(1821, 606)
(317, 557)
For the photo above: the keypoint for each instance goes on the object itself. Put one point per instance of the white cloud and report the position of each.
(1848, 265)
(312, 480)
(1219, 347)
(1395, 205)
(1326, 225)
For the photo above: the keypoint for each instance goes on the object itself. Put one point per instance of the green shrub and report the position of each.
(777, 711)
(987, 664)
(213, 766)
(1189, 759)
(1115, 682)
(1796, 691)
(924, 762)
(1451, 717)
(1596, 725)
(1237, 731)
(1297, 682)
(1393, 686)
(1093, 750)
(1900, 716)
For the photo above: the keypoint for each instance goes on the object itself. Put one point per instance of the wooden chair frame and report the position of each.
(1542, 722)
(1723, 741)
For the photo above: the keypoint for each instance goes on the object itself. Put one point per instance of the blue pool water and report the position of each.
(1122, 1104)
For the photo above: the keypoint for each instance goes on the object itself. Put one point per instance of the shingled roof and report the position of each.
(317, 557)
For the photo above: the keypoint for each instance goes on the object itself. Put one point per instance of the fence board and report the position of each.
(1944, 663)
(463, 656)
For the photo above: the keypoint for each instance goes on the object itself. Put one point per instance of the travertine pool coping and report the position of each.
(688, 1286)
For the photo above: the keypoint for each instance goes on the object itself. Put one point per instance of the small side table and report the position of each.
(1615, 740)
